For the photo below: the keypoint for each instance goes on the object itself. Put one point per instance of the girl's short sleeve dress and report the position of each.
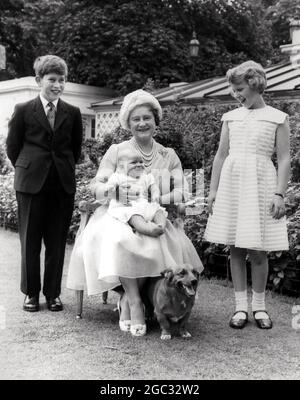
(248, 181)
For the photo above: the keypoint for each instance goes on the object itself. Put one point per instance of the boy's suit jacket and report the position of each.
(32, 146)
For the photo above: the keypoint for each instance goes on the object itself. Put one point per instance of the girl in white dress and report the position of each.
(246, 199)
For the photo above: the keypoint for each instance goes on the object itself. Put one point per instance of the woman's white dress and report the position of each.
(108, 248)
(248, 181)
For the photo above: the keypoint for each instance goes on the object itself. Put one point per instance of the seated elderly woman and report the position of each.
(109, 252)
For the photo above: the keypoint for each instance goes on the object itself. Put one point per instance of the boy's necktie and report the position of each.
(51, 114)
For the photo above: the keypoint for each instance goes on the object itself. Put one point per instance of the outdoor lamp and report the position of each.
(2, 57)
(194, 46)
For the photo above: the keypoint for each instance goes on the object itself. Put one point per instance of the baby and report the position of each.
(146, 217)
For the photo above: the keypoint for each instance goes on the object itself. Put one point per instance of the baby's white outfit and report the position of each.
(142, 206)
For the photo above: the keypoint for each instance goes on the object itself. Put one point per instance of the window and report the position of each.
(93, 128)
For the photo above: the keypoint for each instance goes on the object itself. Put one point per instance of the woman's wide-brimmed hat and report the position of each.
(137, 98)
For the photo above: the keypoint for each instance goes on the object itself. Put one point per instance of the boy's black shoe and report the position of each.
(54, 304)
(31, 304)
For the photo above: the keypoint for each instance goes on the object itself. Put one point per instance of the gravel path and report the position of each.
(56, 346)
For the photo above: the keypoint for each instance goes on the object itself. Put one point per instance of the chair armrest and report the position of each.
(181, 210)
(175, 211)
(88, 206)
(86, 209)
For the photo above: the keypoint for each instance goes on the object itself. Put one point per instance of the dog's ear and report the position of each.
(168, 274)
(181, 271)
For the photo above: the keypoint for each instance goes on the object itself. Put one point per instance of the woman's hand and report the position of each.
(210, 201)
(277, 207)
(127, 194)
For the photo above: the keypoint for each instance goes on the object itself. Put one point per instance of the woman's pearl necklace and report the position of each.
(147, 157)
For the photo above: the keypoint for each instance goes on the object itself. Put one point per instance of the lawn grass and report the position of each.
(45, 345)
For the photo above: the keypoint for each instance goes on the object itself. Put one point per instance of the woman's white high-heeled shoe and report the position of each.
(138, 330)
(126, 323)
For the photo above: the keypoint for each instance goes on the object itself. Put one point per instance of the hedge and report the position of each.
(194, 133)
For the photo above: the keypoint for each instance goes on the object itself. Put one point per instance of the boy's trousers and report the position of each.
(46, 217)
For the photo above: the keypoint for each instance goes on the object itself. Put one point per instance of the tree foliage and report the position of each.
(10, 32)
(122, 43)
(25, 31)
(280, 13)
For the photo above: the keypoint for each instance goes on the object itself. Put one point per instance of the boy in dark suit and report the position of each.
(44, 143)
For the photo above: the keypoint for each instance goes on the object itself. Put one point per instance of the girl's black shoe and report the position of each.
(238, 323)
(263, 323)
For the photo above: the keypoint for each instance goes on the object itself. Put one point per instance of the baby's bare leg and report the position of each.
(144, 227)
(160, 219)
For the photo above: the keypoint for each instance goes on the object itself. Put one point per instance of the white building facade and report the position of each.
(20, 90)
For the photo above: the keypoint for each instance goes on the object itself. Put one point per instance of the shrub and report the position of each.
(5, 164)
(8, 202)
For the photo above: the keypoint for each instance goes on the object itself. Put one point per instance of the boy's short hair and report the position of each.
(50, 64)
(250, 72)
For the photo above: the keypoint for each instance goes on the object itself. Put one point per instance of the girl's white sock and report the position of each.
(258, 301)
(241, 304)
